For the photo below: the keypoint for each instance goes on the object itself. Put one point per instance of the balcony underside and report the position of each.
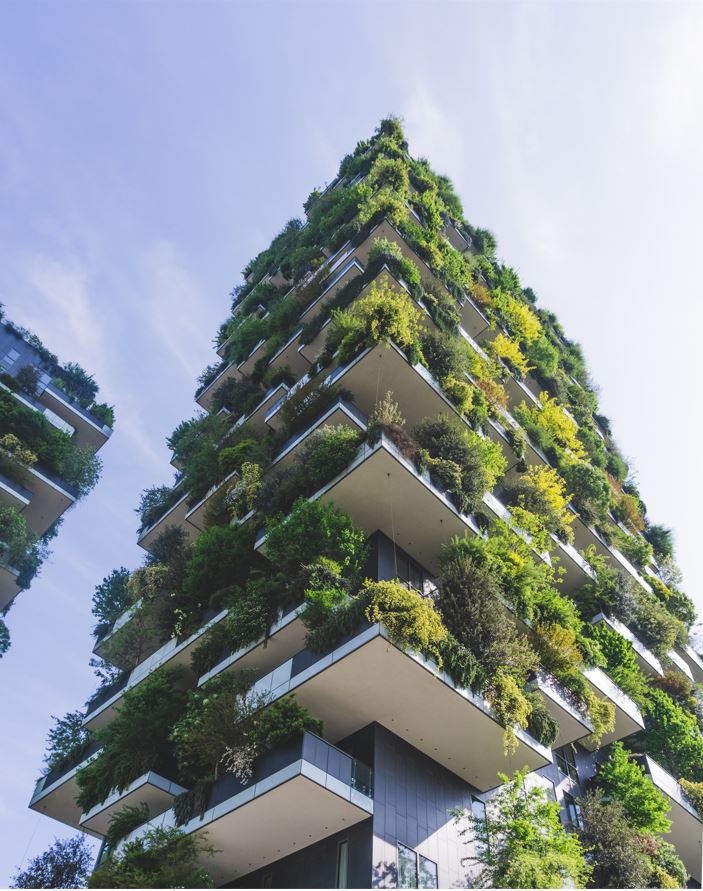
(174, 516)
(694, 662)
(628, 719)
(369, 679)
(151, 789)
(381, 490)
(89, 432)
(50, 499)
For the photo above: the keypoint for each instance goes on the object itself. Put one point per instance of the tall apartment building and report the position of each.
(50, 431)
(401, 556)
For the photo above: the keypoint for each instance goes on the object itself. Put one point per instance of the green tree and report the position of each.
(66, 864)
(615, 848)
(521, 843)
(622, 778)
(672, 737)
(111, 598)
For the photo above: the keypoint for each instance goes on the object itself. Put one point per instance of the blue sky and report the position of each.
(149, 149)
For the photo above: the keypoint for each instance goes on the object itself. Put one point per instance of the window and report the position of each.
(409, 572)
(428, 873)
(573, 812)
(407, 867)
(343, 864)
(267, 880)
(414, 870)
(478, 809)
(566, 762)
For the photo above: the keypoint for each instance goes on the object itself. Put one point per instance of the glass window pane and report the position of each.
(428, 873)
(342, 864)
(407, 867)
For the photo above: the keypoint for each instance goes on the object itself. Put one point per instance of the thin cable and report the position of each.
(31, 839)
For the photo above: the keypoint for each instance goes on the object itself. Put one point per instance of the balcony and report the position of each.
(694, 662)
(628, 718)
(256, 419)
(646, 659)
(174, 516)
(382, 490)
(456, 238)
(151, 789)
(14, 494)
(291, 356)
(384, 278)
(370, 679)
(286, 637)
(55, 792)
(51, 497)
(300, 793)
(204, 397)
(337, 280)
(174, 653)
(573, 724)
(196, 515)
(686, 824)
(381, 368)
(149, 646)
(89, 431)
(340, 414)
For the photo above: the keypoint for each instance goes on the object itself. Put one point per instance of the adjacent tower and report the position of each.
(402, 554)
(51, 429)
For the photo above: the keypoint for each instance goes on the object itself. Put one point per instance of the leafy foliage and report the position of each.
(66, 864)
(521, 843)
(160, 858)
(645, 806)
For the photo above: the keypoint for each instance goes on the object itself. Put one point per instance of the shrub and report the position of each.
(125, 821)
(160, 858)
(520, 319)
(467, 600)
(637, 549)
(552, 421)
(694, 793)
(468, 465)
(508, 350)
(540, 724)
(621, 663)
(327, 452)
(589, 488)
(381, 316)
(221, 556)
(66, 742)
(511, 706)
(136, 740)
(411, 620)
(313, 530)
(542, 492)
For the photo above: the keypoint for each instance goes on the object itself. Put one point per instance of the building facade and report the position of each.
(51, 429)
(401, 556)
